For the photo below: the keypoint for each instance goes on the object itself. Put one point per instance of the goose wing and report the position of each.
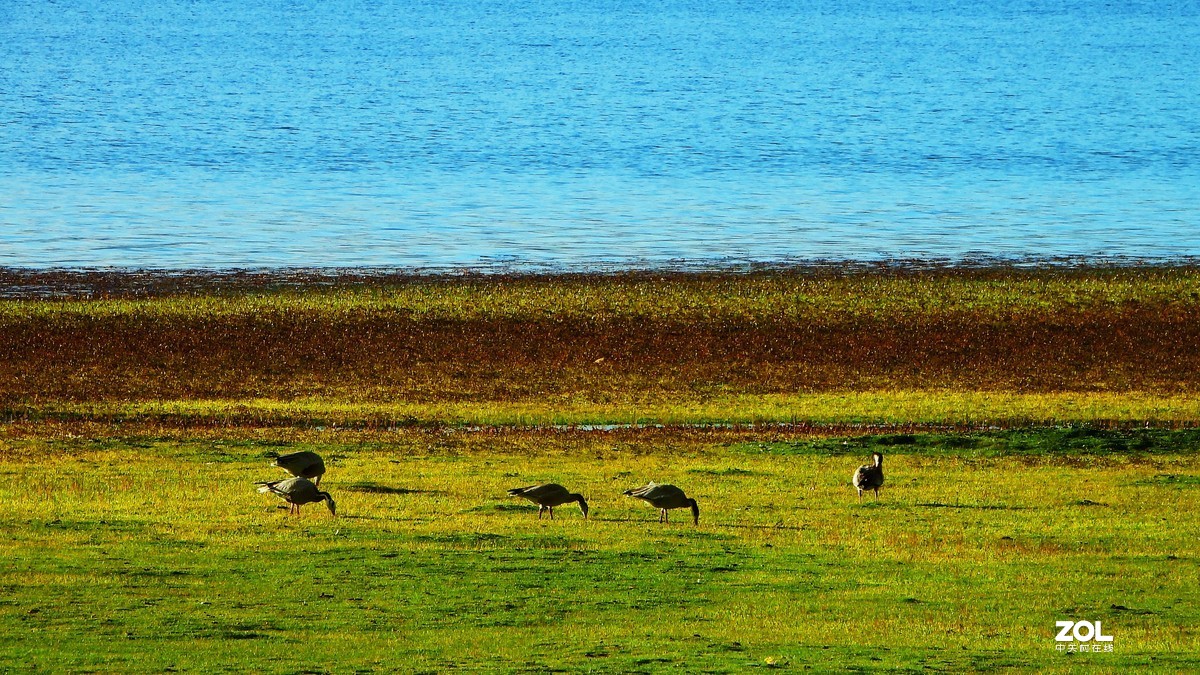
(645, 489)
(868, 477)
(306, 464)
(550, 494)
(294, 490)
(271, 486)
(662, 496)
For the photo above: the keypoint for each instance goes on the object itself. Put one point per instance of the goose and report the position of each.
(869, 476)
(664, 497)
(303, 465)
(549, 496)
(297, 491)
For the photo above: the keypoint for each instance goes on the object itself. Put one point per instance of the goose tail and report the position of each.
(266, 486)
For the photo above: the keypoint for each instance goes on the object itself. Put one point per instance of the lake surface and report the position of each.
(567, 135)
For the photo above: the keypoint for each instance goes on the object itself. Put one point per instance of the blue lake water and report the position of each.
(565, 134)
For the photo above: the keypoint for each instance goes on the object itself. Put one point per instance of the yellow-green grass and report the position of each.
(919, 408)
(774, 295)
(155, 553)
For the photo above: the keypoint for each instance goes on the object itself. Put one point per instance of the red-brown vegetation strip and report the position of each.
(377, 352)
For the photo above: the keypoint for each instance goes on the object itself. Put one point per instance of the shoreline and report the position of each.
(19, 282)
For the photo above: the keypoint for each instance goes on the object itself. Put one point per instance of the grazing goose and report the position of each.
(303, 464)
(664, 497)
(297, 492)
(869, 476)
(549, 496)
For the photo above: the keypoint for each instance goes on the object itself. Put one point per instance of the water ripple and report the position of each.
(568, 135)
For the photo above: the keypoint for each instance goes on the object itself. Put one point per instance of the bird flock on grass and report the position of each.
(300, 490)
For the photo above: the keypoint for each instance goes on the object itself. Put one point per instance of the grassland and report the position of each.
(155, 553)
(1038, 428)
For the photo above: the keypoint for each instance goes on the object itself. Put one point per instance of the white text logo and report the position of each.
(1083, 632)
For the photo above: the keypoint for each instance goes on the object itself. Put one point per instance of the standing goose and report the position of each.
(549, 496)
(869, 476)
(303, 465)
(297, 492)
(664, 497)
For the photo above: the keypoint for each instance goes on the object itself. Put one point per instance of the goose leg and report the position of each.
(540, 509)
(551, 513)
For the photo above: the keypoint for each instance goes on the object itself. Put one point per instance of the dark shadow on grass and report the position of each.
(725, 473)
(1170, 480)
(982, 507)
(388, 519)
(376, 489)
(1131, 610)
(777, 526)
(688, 523)
(235, 635)
(511, 508)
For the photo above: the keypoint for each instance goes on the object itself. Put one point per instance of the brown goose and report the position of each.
(303, 465)
(664, 497)
(297, 492)
(549, 496)
(869, 476)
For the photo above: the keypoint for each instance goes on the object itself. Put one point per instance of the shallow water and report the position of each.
(569, 135)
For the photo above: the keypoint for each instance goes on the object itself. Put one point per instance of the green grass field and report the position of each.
(155, 553)
(1039, 429)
